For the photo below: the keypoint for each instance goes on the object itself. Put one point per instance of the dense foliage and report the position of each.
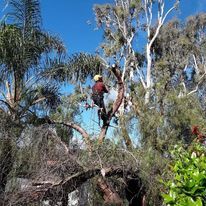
(188, 177)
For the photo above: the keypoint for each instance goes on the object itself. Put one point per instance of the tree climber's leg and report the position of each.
(99, 116)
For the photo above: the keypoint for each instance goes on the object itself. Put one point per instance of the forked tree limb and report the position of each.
(116, 104)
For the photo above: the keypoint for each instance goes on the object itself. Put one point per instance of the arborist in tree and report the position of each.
(98, 91)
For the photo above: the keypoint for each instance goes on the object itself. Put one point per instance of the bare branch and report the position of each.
(197, 86)
(79, 129)
(196, 67)
(150, 41)
(141, 78)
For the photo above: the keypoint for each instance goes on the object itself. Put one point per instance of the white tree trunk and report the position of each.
(148, 77)
(148, 6)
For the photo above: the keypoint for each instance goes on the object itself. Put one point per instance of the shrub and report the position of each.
(187, 187)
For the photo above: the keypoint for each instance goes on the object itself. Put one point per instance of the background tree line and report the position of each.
(160, 96)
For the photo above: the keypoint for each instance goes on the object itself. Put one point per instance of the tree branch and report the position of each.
(116, 104)
(79, 129)
(197, 86)
(150, 41)
(46, 190)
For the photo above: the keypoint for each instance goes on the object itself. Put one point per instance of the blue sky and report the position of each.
(68, 19)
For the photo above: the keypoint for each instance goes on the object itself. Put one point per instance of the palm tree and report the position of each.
(26, 51)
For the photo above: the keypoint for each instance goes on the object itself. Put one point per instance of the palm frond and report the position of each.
(44, 95)
(79, 67)
(26, 14)
(10, 44)
(24, 48)
(42, 45)
(82, 65)
(51, 95)
(47, 43)
(54, 69)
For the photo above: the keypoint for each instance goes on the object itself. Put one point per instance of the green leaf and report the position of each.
(168, 199)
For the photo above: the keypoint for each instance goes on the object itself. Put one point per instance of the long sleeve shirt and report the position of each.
(99, 88)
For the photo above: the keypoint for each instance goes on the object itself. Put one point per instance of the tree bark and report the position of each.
(110, 196)
(116, 104)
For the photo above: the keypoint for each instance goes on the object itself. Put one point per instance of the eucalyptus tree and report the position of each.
(179, 75)
(170, 50)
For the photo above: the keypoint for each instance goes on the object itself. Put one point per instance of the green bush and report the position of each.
(187, 187)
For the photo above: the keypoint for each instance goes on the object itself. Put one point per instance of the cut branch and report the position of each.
(42, 190)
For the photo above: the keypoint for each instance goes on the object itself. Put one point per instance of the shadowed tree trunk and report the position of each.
(135, 191)
(65, 199)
